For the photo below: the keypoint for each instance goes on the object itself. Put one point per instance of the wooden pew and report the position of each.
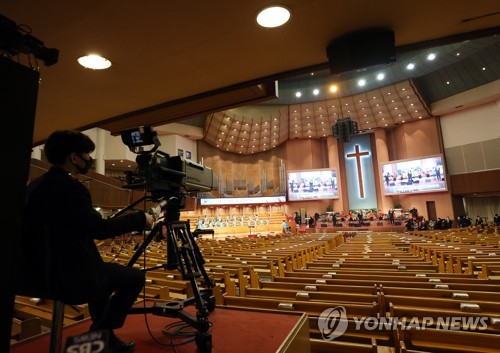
(384, 336)
(470, 295)
(310, 308)
(366, 289)
(456, 306)
(322, 346)
(377, 267)
(25, 312)
(447, 341)
(490, 270)
(71, 312)
(313, 296)
(422, 314)
(23, 329)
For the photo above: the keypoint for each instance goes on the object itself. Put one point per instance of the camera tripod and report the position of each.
(183, 254)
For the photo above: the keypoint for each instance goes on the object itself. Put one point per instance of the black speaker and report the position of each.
(361, 49)
(335, 130)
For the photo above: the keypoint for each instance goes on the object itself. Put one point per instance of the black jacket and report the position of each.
(59, 258)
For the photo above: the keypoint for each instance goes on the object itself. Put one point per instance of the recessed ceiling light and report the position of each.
(431, 56)
(333, 89)
(273, 16)
(298, 94)
(410, 66)
(316, 92)
(361, 82)
(94, 62)
(380, 76)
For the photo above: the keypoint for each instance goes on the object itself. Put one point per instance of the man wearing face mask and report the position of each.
(59, 259)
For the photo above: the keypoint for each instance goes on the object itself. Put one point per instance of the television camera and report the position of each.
(158, 172)
(168, 180)
(16, 39)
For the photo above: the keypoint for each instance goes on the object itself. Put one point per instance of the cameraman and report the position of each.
(59, 259)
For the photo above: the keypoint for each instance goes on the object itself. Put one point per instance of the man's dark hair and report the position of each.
(62, 143)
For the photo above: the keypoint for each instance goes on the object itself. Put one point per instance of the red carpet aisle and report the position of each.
(234, 330)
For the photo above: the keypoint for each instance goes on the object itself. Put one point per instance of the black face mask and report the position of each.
(88, 165)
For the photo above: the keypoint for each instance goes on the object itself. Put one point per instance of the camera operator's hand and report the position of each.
(149, 221)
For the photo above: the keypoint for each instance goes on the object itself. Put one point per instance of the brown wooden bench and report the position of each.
(338, 346)
(313, 296)
(23, 329)
(447, 341)
(310, 308)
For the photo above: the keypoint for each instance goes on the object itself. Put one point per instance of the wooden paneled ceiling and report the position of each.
(175, 60)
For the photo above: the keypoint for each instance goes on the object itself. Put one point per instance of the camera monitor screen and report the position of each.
(312, 184)
(141, 136)
(414, 176)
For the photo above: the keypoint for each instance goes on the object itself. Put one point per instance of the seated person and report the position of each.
(58, 257)
(284, 227)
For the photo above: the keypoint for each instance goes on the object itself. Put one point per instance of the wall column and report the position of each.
(100, 147)
(384, 202)
(333, 163)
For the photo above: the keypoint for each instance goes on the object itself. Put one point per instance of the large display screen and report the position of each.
(312, 184)
(414, 176)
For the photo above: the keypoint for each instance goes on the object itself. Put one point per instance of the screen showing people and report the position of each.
(414, 176)
(312, 184)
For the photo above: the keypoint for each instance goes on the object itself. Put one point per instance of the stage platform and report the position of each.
(234, 330)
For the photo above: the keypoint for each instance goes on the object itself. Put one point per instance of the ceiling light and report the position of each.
(298, 94)
(361, 82)
(431, 56)
(274, 16)
(410, 66)
(94, 62)
(333, 89)
(316, 92)
(380, 76)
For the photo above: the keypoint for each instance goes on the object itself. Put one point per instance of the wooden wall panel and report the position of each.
(106, 192)
(487, 182)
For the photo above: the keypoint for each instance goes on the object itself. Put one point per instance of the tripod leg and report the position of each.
(144, 244)
(203, 342)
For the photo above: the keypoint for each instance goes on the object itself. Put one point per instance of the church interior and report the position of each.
(341, 172)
